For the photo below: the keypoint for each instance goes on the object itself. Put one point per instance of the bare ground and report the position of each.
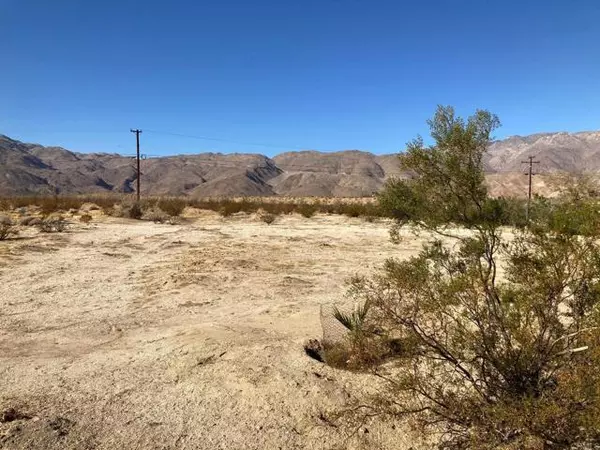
(127, 334)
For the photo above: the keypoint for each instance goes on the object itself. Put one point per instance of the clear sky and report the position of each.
(304, 74)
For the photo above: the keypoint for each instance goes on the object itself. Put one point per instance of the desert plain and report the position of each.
(125, 334)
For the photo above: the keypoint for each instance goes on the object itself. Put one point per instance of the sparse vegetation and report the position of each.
(506, 332)
(307, 209)
(7, 228)
(85, 218)
(52, 224)
(123, 206)
(366, 345)
(134, 211)
(266, 217)
(172, 206)
(156, 215)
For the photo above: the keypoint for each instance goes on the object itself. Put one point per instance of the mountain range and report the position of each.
(34, 169)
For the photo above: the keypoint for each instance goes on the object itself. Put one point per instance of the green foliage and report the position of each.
(446, 183)
(121, 205)
(135, 211)
(506, 330)
(306, 209)
(354, 321)
(490, 348)
(172, 206)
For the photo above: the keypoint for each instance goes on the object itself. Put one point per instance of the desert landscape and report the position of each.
(317, 225)
(131, 334)
(27, 169)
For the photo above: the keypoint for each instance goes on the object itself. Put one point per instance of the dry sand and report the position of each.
(134, 335)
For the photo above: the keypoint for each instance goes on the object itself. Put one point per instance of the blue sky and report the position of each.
(310, 74)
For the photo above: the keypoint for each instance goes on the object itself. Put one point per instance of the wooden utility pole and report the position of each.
(137, 139)
(531, 162)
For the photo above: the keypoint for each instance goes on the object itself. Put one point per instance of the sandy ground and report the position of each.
(134, 335)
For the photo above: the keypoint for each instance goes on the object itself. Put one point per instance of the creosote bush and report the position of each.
(7, 228)
(134, 211)
(52, 224)
(172, 206)
(156, 215)
(505, 332)
(122, 205)
(266, 217)
(307, 209)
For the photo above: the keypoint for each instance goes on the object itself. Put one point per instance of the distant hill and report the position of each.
(35, 169)
(568, 152)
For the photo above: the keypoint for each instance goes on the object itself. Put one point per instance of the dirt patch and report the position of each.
(136, 335)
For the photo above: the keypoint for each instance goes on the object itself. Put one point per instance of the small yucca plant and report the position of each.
(354, 321)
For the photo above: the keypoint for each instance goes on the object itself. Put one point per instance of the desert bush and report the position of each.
(113, 211)
(353, 210)
(6, 231)
(52, 224)
(228, 209)
(366, 345)
(56, 203)
(306, 209)
(266, 217)
(279, 208)
(7, 228)
(134, 211)
(500, 361)
(172, 206)
(85, 218)
(86, 207)
(174, 220)
(49, 205)
(156, 215)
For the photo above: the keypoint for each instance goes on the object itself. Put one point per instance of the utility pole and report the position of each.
(530, 173)
(137, 139)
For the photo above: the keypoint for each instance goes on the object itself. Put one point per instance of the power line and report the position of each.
(280, 147)
(137, 140)
(531, 162)
(207, 138)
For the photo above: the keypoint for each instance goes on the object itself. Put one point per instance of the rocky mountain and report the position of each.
(568, 152)
(34, 169)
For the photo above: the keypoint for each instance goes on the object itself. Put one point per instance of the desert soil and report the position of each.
(133, 335)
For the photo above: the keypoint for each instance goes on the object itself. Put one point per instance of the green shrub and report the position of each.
(501, 362)
(134, 211)
(306, 209)
(172, 206)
